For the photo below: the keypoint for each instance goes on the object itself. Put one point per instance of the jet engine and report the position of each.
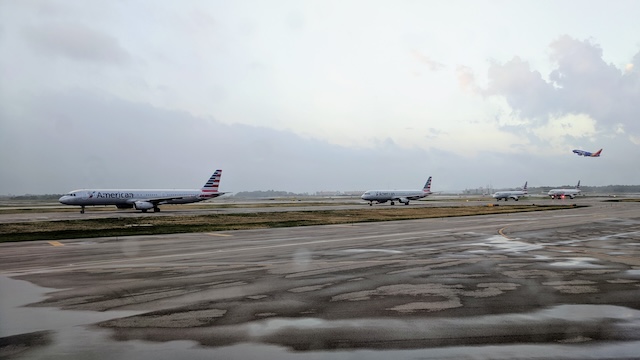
(143, 205)
(404, 201)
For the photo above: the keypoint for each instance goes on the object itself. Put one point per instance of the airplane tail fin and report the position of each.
(597, 153)
(427, 186)
(578, 186)
(213, 182)
(524, 188)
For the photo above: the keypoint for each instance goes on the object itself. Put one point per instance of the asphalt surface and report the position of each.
(543, 285)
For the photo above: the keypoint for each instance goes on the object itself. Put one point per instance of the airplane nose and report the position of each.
(64, 199)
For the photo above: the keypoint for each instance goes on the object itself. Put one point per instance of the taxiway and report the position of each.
(497, 286)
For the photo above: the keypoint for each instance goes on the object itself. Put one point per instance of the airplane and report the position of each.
(586, 153)
(511, 194)
(143, 199)
(562, 193)
(403, 196)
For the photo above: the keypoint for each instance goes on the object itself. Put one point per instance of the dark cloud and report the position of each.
(82, 139)
(62, 141)
(588, 85)
(523, 88)
(582, 82)
(76, 41)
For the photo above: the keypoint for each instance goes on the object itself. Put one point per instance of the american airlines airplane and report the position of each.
(143, 199)
(562, 193)
(403, 196)
(511, 194)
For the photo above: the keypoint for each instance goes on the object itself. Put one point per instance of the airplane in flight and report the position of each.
(511, 194)
(403, 196)
(586, 153)
(143, 199)
(562, 193)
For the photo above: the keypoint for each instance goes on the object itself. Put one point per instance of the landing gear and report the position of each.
(81, 209)
(144, 210)
(370, 203)
(156, 209)
(392, 203)
(407, 203)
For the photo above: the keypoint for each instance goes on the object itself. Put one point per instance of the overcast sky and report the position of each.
(307, 96)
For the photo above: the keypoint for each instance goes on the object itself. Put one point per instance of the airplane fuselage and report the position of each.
(140, 199)
(143, 199)
(587, 153)
(130, 196)
(403, 196)
(562, 193)
(506, 195)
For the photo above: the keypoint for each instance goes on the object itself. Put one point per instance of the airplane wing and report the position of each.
(211, 195)
(163, 200)
(155, 201)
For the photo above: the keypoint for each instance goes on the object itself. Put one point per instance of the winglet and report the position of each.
(524, 188)
(214, 181)
(578, 186)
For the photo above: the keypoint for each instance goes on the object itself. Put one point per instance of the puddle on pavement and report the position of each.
(503, 244)
(360, 251)
(73, 338)
(20, 319)
(577, 262)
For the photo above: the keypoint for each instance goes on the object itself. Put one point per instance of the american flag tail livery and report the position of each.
(212, 184)
(427, 186)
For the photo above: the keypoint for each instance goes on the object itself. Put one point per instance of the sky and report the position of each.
(309, 96)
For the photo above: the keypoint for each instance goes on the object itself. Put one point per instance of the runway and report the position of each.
(36, 213)
(530, 285)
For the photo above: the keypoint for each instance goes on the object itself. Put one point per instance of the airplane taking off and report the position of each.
(511, 194)
(143, 199)
(586, 153)
(562, 193)
(403, 196)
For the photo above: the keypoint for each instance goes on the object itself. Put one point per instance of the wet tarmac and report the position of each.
(546, 285)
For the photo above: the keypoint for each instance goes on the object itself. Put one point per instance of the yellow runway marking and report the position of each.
(501, 232)
(216, 234)
(56, 243)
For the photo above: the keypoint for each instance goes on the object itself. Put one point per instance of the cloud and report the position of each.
(77, 42)
(524, 89)
(432, 64)
(84, 138)
(466, 79)
(580, 83)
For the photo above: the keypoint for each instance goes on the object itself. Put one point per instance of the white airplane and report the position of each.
(562, 193)
(143, 199)
(403, 196)
(511, 194)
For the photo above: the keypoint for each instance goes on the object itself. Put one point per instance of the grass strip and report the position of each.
(150, 225)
